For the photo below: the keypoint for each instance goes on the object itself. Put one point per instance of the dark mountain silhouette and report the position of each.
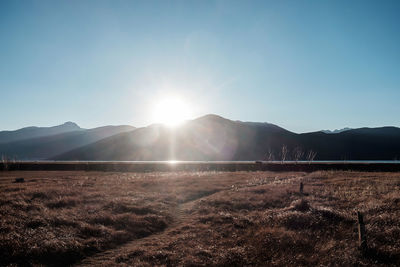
(49, 146)
(215, 138)
(358, 144)
(33, 131)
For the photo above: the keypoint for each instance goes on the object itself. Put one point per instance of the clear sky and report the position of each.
(304, 65)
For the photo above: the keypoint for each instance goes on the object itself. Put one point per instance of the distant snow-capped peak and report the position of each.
(336, 130)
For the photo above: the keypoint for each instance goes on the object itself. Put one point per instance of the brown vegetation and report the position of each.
(198, 218)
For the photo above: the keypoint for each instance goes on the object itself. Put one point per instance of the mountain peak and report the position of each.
(70, 124)
(34, 131)
(211, 117)
(336, 130)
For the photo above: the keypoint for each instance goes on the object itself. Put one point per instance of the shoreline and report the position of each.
(158, 166)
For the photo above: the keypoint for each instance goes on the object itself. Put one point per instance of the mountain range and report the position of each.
(207, 138)
(33, 131)
(38, 143)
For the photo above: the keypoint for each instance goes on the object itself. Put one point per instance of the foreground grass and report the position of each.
(197, 219)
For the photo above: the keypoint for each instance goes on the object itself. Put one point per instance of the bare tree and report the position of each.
(270, 155)
(298, 153)
(284, 152)
(4, 161)
(311, 155)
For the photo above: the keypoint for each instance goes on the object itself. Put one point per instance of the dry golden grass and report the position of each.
(198, 218)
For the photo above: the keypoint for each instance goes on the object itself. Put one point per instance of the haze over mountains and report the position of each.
(34, 143)
(210, 137)
(33, 131)
(215, 138)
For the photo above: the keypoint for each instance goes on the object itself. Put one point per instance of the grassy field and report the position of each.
(198, 218)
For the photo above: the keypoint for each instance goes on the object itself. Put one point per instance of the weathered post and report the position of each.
(362, 238)
(301, 187)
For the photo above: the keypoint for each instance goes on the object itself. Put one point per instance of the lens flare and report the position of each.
(171, 111)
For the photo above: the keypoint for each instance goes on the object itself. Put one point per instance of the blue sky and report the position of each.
(304, 65)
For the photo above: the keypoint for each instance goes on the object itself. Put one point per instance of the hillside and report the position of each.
(215, 138)
(207, 138)
(358, 144)
(49, 146)
(33, 131)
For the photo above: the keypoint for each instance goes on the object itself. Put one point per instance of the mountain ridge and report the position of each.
(35, 131)
(209, 137)
(212, 137)
(337, 130)
(43, 147)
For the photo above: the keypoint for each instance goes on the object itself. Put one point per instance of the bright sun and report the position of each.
(171, 111)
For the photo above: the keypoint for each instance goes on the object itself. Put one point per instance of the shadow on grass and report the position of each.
(381, 257)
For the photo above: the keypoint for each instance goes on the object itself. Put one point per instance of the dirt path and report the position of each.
(182, 216)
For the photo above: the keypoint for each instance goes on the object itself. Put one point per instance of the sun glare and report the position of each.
(171, 111)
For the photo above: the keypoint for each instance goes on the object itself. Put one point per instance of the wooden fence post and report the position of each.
(362, 238)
